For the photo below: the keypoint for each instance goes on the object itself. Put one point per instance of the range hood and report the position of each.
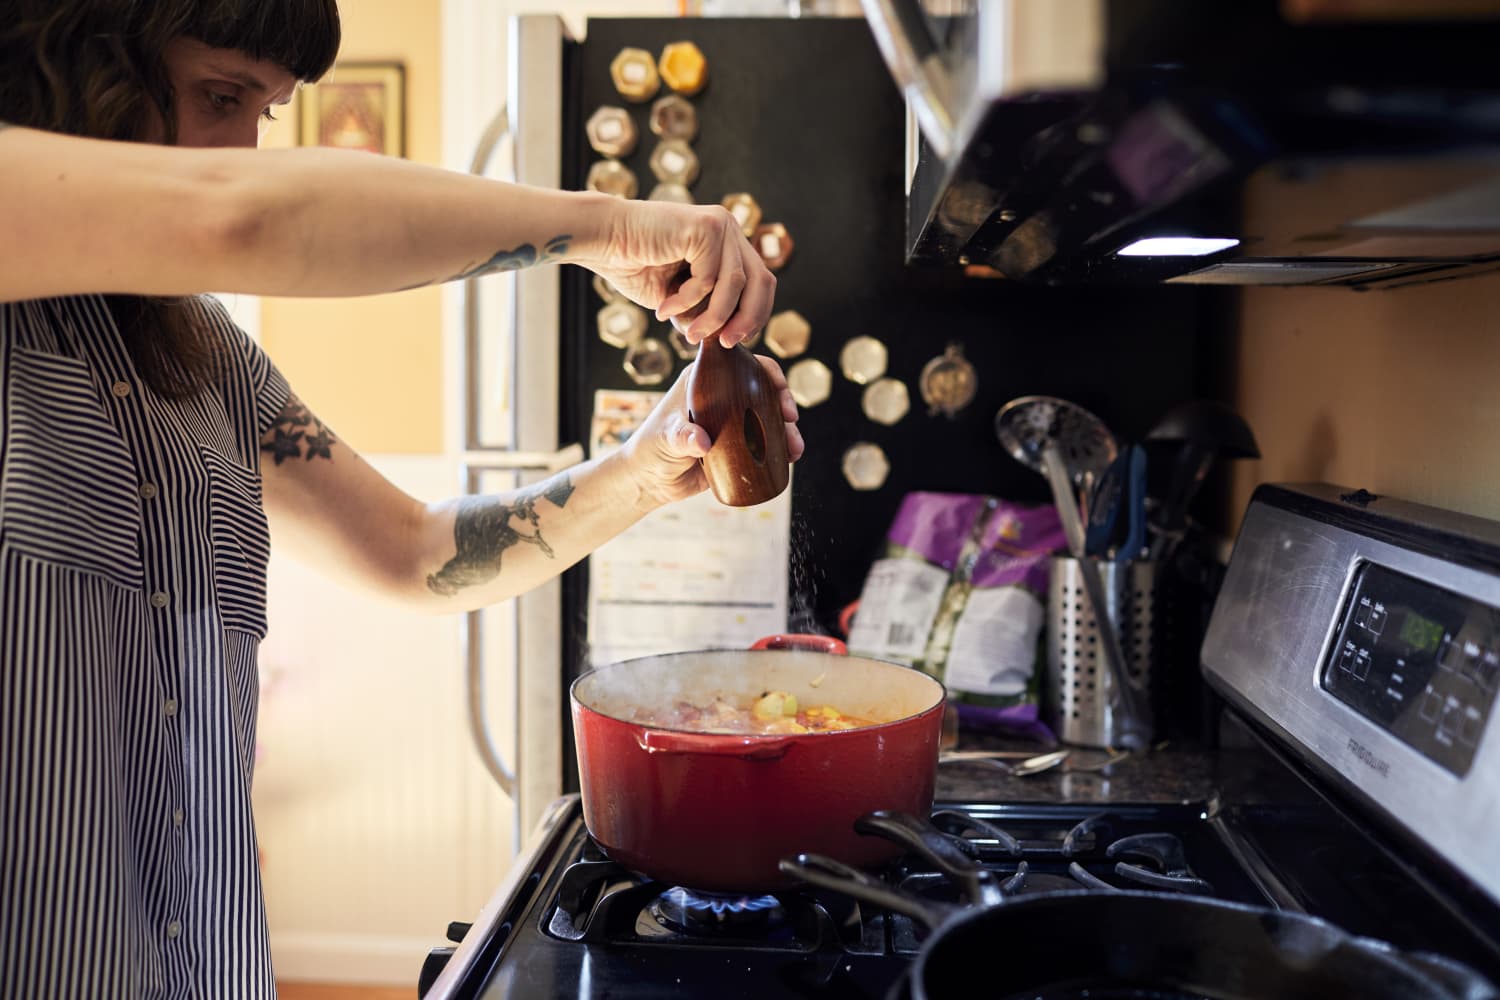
(1165, 141)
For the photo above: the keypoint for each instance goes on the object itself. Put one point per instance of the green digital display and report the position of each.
(1422, 634)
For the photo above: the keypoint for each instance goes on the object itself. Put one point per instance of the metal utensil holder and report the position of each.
(1079, 692)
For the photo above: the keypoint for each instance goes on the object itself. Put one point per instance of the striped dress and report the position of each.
(133, 549)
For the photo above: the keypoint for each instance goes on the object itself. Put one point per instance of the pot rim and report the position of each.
(938, 688)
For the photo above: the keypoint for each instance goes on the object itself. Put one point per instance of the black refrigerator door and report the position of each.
(803, 115)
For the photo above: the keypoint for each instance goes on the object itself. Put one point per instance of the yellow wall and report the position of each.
(1397, 391)
(371, 368)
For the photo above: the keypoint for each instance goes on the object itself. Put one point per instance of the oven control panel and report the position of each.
(1419, 661)
(1363, 634)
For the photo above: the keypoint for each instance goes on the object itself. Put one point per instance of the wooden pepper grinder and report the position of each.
(731, 397)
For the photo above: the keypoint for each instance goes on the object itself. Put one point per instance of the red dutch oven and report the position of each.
(716, 812)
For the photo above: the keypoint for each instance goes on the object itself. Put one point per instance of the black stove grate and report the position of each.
(601, 902)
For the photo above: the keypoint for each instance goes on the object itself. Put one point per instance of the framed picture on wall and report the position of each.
(357, 106)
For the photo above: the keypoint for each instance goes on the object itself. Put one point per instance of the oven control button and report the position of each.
(1372, 618)
(1473, 723)
(1488, 671)
(1361, 664)
(1449, 724)
(1346, 658)
(1432, 703)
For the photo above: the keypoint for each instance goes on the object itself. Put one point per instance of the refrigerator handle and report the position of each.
(489, 141)
(479, 723)
(474, 660)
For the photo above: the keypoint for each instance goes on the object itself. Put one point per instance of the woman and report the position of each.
(145, 440)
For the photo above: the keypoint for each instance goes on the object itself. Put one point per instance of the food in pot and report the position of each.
(772, 713)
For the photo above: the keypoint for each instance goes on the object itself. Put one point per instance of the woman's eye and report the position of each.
(221, 102)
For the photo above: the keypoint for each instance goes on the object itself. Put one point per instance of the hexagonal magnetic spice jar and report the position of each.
(863, 360)
(886, 401)
(810, 382)
(745, 209)
(611, 131)
(684, 68)
(674, 118)
(612, 177)
(621, 324)
(774, 244)
(671, 192)
(634, 74)
(865, 466)
(648, 361)
(674, 162)
(787, 334)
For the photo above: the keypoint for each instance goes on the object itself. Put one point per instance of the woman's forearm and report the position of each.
(478, 550)
(126, 217)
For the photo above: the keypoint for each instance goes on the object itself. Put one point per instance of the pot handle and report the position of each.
(715, 744)
(815, 643)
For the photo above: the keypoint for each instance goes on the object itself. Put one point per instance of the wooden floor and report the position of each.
(334, 991)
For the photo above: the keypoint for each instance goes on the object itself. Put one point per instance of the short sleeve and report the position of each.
(255, 391)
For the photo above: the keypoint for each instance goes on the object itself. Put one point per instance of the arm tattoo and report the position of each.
(484, 531)
(296, 433)
(524, 255)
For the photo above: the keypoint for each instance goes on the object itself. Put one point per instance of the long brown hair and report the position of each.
(95, 68)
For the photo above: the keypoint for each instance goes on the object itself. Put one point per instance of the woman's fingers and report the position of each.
(684, 302)
(727, 291)
(794, 442)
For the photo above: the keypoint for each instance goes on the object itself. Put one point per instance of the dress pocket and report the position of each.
(68, 489)
(241, 542)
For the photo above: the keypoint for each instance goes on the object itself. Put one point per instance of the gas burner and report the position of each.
(685, 911)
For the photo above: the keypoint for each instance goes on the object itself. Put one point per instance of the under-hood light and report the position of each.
(1176, 246)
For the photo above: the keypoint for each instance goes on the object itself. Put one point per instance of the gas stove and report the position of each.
(570, 922)
(1292, 815)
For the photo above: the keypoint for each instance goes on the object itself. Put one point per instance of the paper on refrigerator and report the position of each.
(692, 575)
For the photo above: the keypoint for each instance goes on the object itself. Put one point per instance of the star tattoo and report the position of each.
(296, 427)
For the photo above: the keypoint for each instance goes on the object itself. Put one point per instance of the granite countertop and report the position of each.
(1164, 773)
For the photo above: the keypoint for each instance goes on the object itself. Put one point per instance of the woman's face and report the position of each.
(224, 98)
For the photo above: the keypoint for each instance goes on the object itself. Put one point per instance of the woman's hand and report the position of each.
(663, 453)
(689, 263)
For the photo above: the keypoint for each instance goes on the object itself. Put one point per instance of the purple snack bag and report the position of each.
(987, 641)
(904, 589)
